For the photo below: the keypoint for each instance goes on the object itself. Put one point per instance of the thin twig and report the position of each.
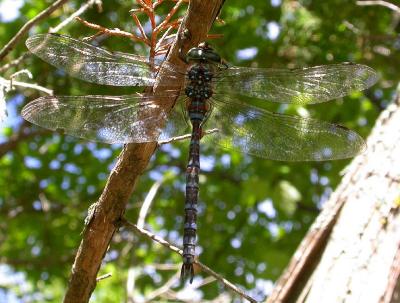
(21, 72)
(150, 235)
(164, 266)
(140, 27)
(352, 27)
(174, 139)
(186, 136)
(224, 281)
(103, 277)
(113, 32)
(144, 209)
(215, 36)
(13, 63)
(15, 139)
(206, 281)
(28, 25)
(147, 203)
(158, 2)
(163, 289)
(9, 84)
(163, 38)
(164, 23)
(381, 3)
(79, 12)
(34, 86)
(205, 268)
(146, 6)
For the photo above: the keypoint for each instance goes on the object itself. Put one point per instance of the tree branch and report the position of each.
(175, 249)
(19, 137)
(113, 32)
(381, 3)
(79, 12)
(28, 25)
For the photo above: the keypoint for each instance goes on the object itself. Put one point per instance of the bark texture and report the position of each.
(352, 252)
(131, 163)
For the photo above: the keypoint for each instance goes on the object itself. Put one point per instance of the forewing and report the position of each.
(109, 119)
(95, 64)
(299, 86)
(279, 137)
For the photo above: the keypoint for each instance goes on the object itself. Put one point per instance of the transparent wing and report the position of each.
(299, 86)
(279, 137)
(95, 64)
(110, 119)
(178, 126)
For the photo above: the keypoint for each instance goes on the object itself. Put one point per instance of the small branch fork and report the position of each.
(177, 250)
(158, 46)
(80, 11)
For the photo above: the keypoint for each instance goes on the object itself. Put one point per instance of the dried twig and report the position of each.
(113, 32)
(140, 27)
(27, 26)
(175, 249)
(186, 136)
(17, 61)
(8, 85)
(381, 3)
(132, 272)
(164, 23)
(147, 202)
(15, 139)
(79, 12)
(104, 277)
(164, 266)
(214, 36)
(164, 37)
(13, 63)
(163, 289)
(34, 86)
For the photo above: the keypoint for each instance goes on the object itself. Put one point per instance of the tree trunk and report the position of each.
(351, 252)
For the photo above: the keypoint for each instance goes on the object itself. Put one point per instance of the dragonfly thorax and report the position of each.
(199, 84)
(203, 53)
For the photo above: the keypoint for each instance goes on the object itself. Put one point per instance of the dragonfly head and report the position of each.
(203, 53)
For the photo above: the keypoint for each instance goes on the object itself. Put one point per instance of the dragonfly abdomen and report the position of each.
(199, 91)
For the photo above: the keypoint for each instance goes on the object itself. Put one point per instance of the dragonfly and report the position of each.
(214, 99)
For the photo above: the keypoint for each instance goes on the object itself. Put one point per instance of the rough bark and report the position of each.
(131, 164)
(352, 252)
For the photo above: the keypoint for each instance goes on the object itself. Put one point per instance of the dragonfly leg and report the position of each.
(185, 35)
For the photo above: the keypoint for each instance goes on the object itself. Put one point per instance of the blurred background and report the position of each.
(253, 212)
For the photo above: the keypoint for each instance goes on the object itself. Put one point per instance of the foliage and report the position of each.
(253, 212)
